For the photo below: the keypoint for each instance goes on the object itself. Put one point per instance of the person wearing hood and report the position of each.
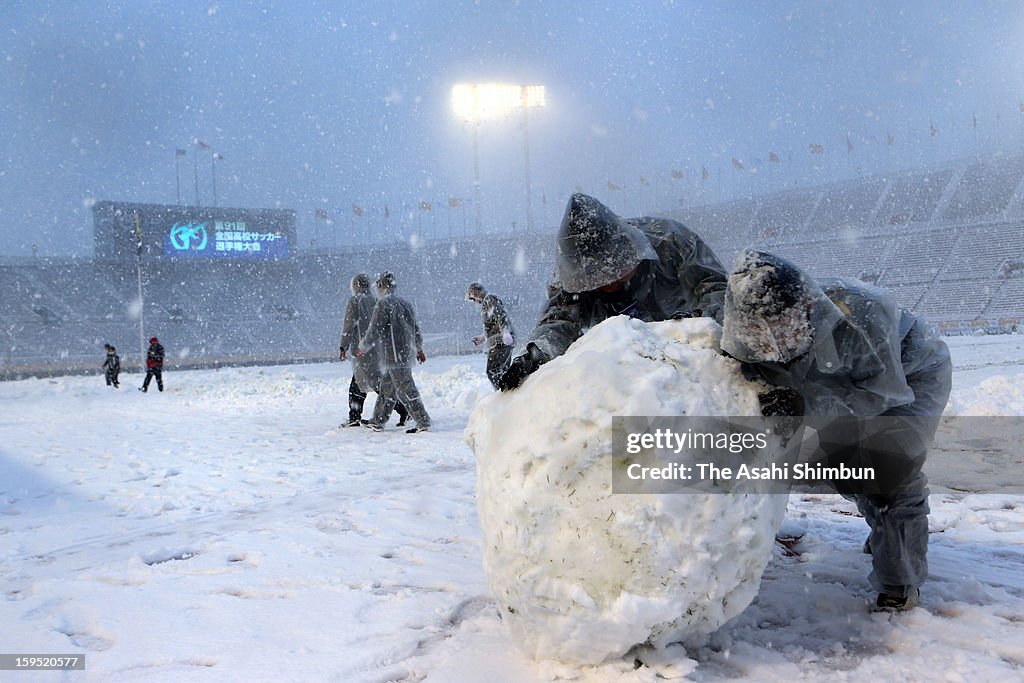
(112, 366)
(499, 335)
(154, 365)
(366, 370)
(394, 333)
(646, 268)
(843, 350)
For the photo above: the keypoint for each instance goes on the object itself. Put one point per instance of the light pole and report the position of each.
(214, 158)
(199, 144)
(178, 153)
(475, 102)
(142, 301)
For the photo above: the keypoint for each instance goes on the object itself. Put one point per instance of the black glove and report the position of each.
(785, 404)
(781, 402)
(683, 315)
(522, 367)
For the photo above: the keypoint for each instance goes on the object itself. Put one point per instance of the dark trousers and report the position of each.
(111, 378)
(356, 399)
(150, 374)
(498, 360)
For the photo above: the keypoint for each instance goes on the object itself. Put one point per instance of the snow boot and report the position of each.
(887, 602)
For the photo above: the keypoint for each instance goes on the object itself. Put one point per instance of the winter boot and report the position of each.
(417, 429)
(887, 602)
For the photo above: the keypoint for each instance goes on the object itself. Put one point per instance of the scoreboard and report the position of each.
(121, 230)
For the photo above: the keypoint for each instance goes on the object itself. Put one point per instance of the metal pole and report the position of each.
(195, 167)
(476, 174)
(213, 175)
(177, 175)
(526, 156)
(142, 303)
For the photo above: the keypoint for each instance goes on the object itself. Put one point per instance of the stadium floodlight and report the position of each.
(476, 102)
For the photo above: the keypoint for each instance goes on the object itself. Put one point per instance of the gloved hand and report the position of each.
(781, 402)
(506, 338)
(787, 406)
(341, 355)
(683, 315)
(478, 339)
(522, 367)
(421, 357)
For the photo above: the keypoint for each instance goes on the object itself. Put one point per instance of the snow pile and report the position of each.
(581, 575)
(459, 387)
(995, 395)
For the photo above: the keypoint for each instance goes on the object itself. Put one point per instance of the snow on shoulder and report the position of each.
(582, 575)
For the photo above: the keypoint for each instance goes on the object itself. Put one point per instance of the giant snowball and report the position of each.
(580, 574)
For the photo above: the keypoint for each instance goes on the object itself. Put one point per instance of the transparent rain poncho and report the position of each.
(861, 348)
(768, 307)
(596, 247)
(393, 332)
(673, 274)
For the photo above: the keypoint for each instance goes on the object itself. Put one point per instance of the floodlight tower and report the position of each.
(474, 102)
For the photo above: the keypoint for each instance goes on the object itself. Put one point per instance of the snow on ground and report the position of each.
(227, 530)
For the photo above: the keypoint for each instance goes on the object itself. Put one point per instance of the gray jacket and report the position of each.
(868, 357)
(393, 333)
(686, 279)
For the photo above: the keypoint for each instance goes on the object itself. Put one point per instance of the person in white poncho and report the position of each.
(395, 334)
(843, 349)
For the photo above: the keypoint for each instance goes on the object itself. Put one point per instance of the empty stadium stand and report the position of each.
(949, 242)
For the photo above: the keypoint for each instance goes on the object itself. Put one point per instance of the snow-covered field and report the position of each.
(227, 530)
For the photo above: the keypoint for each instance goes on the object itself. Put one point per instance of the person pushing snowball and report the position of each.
(646, 268)
(840, 348)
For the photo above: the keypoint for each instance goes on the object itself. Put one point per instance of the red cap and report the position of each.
(154, 340)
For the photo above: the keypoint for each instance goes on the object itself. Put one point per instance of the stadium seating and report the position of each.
(985, 191)
(949, 242)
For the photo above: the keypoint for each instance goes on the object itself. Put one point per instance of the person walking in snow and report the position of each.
(646, 268)
(499, 335)
(394, 333)
(154, 365)
(840, 348)
(111, 366)
(366, 370)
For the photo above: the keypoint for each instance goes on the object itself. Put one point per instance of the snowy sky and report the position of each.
(329, 104)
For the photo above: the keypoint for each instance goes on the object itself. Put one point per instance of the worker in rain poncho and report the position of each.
(646, 268)
(499, 334)
(395, 335)
(366, 369)
(844, 349)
